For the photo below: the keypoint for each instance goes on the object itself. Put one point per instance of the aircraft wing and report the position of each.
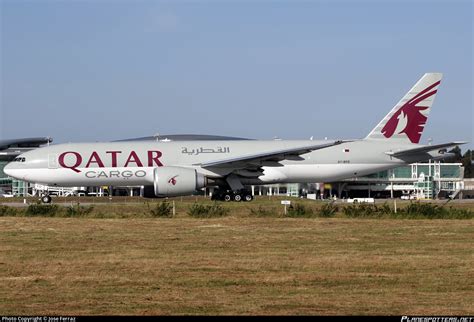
(424, 149)
(266, 158)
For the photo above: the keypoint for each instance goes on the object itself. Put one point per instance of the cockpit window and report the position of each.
(18, 159)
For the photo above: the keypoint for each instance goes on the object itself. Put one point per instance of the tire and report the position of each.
(248, 198)
(237, 198)
(227, 197)
(46, 199)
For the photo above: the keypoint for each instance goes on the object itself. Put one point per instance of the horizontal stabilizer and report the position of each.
(270, 156)
(424, 149)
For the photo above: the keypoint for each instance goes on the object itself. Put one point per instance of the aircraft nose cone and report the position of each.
(9, 170)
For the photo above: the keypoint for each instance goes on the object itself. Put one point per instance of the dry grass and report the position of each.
(235, 265)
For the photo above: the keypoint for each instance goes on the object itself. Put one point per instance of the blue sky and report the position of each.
(105, 70)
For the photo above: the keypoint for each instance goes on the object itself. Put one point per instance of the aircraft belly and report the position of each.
(323, 172)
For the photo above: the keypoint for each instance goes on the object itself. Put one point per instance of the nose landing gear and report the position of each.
(45, 198)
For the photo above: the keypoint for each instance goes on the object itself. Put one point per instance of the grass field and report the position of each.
(135, 207)
(235, 265)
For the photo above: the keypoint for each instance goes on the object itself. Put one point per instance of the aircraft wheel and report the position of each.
(46, 199)
(248, 198)
(237, 197)
(227, 197)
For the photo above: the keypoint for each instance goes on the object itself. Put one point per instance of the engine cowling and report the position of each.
(174, 181)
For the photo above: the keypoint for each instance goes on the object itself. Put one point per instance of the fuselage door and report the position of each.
(52, 161)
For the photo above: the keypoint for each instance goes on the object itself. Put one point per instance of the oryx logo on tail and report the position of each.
(409, 118)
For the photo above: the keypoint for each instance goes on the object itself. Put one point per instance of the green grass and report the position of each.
(198, 210)
(200, 207)
(7, 211)
(162, 209)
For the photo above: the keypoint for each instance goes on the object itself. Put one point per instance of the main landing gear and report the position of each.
(229, 195)
(233, 190)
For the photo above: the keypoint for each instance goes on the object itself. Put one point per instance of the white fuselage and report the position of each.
(133, 163)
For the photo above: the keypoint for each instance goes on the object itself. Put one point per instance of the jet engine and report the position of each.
(174, 181)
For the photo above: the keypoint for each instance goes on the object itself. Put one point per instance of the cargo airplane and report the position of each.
(172, 168)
